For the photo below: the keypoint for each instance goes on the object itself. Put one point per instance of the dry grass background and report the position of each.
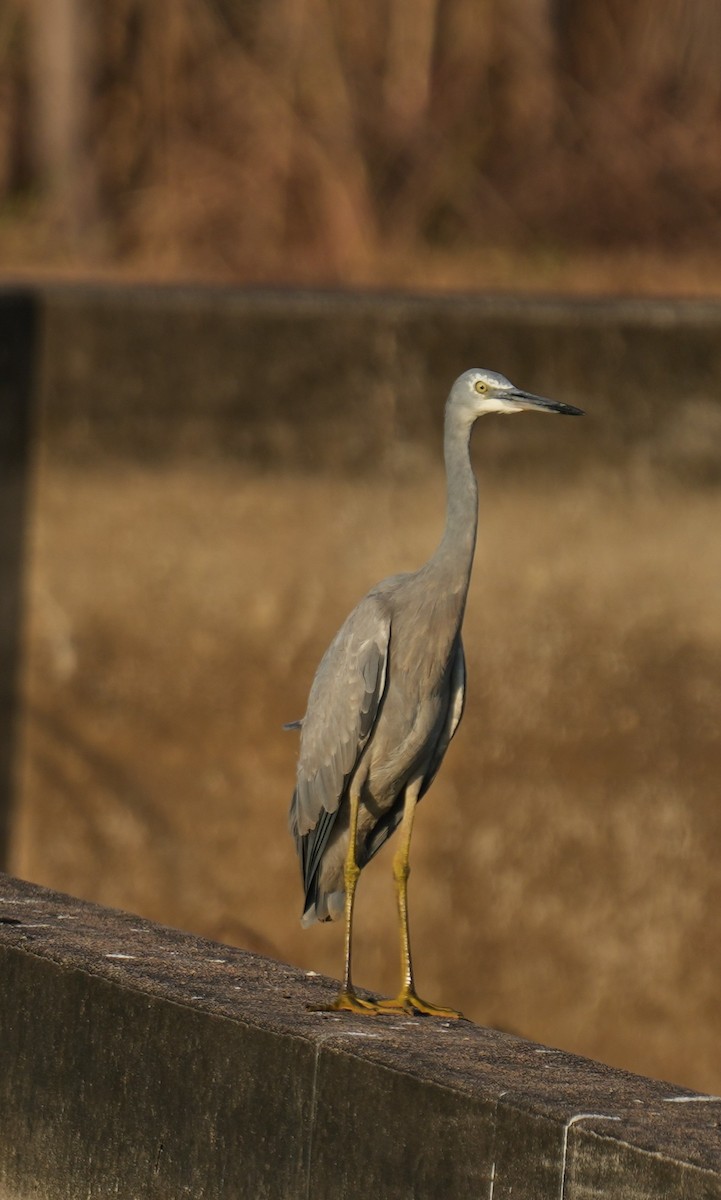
(565, 882)
(425, 142)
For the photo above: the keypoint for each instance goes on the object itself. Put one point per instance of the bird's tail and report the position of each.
(322, 906)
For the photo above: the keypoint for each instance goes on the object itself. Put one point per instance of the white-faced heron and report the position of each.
(387, 699)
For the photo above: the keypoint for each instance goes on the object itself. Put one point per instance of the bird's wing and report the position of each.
(342, 708)
(390, 820)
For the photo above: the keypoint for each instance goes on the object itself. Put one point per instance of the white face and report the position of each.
(478, 392)
(483, 392)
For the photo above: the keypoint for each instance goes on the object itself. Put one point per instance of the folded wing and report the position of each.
(342, 708)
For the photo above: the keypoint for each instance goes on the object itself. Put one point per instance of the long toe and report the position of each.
(408, 1001)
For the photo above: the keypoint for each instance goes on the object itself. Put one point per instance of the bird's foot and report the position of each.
(346, 1001)
(407, 1001)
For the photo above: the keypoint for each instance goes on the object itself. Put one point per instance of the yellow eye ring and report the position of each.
(480, 386)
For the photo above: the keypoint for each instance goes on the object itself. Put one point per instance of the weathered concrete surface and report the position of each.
(138, 1061)
(339, 380)
(18, 346)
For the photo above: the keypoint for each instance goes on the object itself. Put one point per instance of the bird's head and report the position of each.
(477, 392)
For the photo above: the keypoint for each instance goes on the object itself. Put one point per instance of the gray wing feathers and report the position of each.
(342, 708)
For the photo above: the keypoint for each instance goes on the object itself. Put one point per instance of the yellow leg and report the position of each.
(408, 999)
(346, 1000)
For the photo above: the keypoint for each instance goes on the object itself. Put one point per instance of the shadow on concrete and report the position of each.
(18, 334)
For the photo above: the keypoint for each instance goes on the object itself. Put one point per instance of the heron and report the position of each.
(387, 699)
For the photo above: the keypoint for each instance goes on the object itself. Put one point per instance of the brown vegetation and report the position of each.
(398, 141)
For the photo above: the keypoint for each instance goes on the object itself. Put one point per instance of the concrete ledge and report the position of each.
(138, 1061)
(344, 381)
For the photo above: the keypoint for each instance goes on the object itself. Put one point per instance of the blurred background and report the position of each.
(434, 143)
(218, 465)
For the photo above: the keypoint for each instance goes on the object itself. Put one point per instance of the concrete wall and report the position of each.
(137, 1061)
(322, 380)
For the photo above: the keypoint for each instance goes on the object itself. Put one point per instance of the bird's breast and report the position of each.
(412, 715)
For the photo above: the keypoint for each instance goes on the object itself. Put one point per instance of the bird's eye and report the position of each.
(480, 386)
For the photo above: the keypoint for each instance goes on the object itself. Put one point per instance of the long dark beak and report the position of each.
(528, 400)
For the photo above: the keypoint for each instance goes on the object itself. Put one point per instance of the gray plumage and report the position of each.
(388, 694)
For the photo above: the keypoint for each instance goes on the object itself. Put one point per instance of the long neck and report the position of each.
(453, 559)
